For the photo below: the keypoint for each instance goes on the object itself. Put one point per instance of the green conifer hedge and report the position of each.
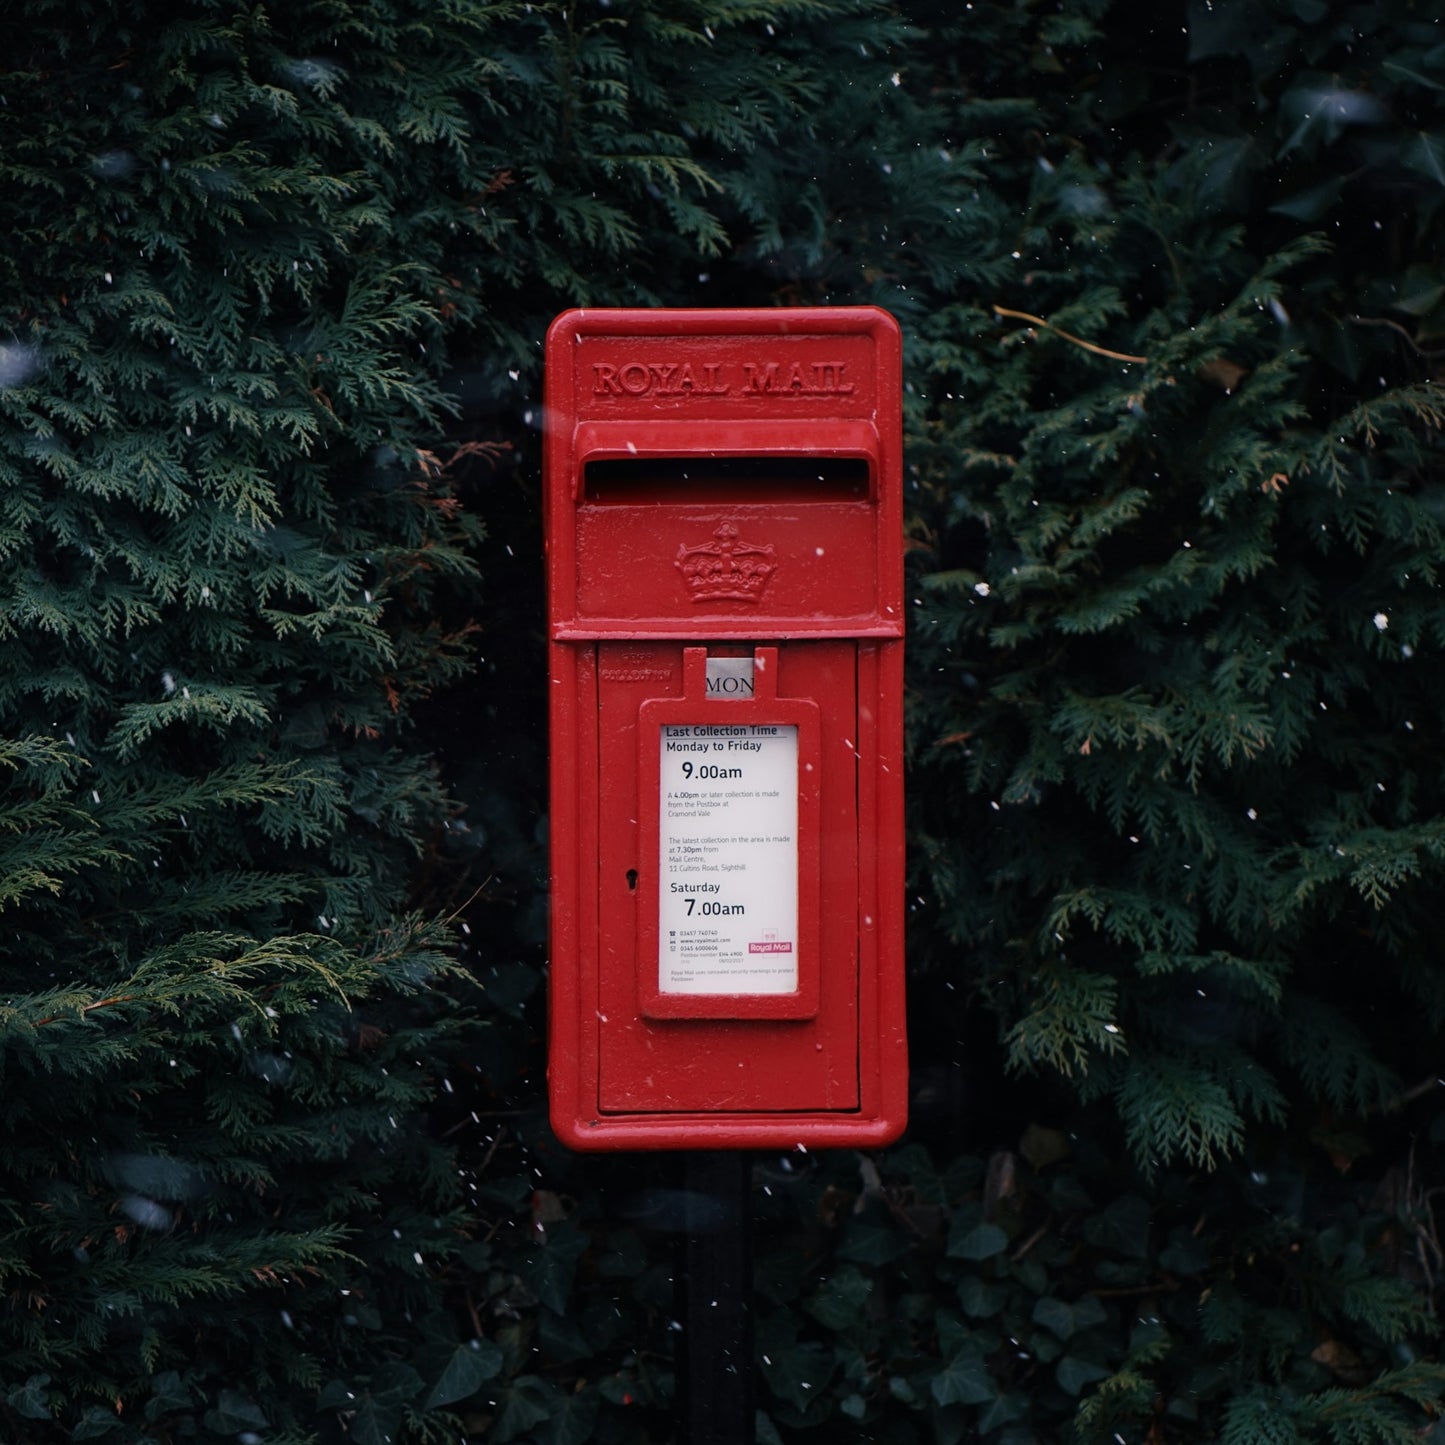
(223, 539)
(273, 1164)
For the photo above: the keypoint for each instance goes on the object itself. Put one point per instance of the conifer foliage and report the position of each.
(1177, 447)
(272, 1165)
(223, 539)
(1181, 461)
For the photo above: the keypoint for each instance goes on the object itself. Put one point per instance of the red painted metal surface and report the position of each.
(725, 485)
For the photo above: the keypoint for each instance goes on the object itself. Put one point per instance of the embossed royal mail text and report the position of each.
(717, 378)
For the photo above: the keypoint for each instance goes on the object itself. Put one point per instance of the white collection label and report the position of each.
(728, 852)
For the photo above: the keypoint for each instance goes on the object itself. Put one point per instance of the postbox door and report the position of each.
(763, 1052)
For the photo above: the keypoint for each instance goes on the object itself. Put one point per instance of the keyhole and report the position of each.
(631, 880)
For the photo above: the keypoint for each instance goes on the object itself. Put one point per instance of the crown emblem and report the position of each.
(726, 568)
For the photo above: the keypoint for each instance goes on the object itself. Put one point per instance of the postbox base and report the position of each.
(802, 1132)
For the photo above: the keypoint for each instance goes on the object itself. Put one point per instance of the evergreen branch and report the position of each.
(1428, 353)
(1070, 1021)
(1069, 336)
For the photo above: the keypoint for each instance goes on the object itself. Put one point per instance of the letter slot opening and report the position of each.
(706, 479)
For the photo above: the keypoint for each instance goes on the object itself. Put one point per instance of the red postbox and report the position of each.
(724, 558)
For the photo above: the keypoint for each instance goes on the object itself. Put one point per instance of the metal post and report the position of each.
(715, 1352)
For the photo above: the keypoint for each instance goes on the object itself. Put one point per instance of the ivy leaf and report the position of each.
(335, 1395)
(625, 1258)
(233, 1413)
(1001, 1411)
(168, 1392)
(1122, 1227)
(964, 1380)
(562, 1338)
(1419, 299)
(953, 1334)
(799, 1373)
(377, 1420)
(573, 1421)
(901, 1389)
(1066, 1320)
(527, 1403)
(380, 1406)
(1074, 1374)
(767, 1432)
(95, 1421)
(983, 1241)
(1184, 1254)
(30, 1400)
(396, 1378)
(871, 1239)
(469, 1368)
(1425, 154)
(1056, 1316)
(549, 1270)
(979, 1298)
(1309, 205)
(840, 1299)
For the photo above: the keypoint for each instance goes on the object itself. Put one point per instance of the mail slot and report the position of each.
(724, 574)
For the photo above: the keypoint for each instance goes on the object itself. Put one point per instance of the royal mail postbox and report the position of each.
(724, 558)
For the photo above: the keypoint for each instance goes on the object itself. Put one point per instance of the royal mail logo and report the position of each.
(717, 378)
(725, 569)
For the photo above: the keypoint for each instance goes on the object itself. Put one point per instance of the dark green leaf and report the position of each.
(901, 1388)
(799, 1373)
(964, 1380)
(1184, 1254)
(1419, 293)
(1055, 1315)
(335, 1395)
(30, 1400)
(94, 1422)
(839, 1302)
(562, 1337)
(1311, 204)
(1122, 1227)
(572, 1421)
(625, 1257)
(234, 1412)
(377, 1420)
(1045, 1347)
(953, 1333)
(1425, 153)
(469, 1368)
(1074, 1374)
(1001, 1411)
(983, 1241)
(397, 1379)
(528, 1402)
(552, 1264)
(875, 1239)
(979, 1298)
(169, 1392)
